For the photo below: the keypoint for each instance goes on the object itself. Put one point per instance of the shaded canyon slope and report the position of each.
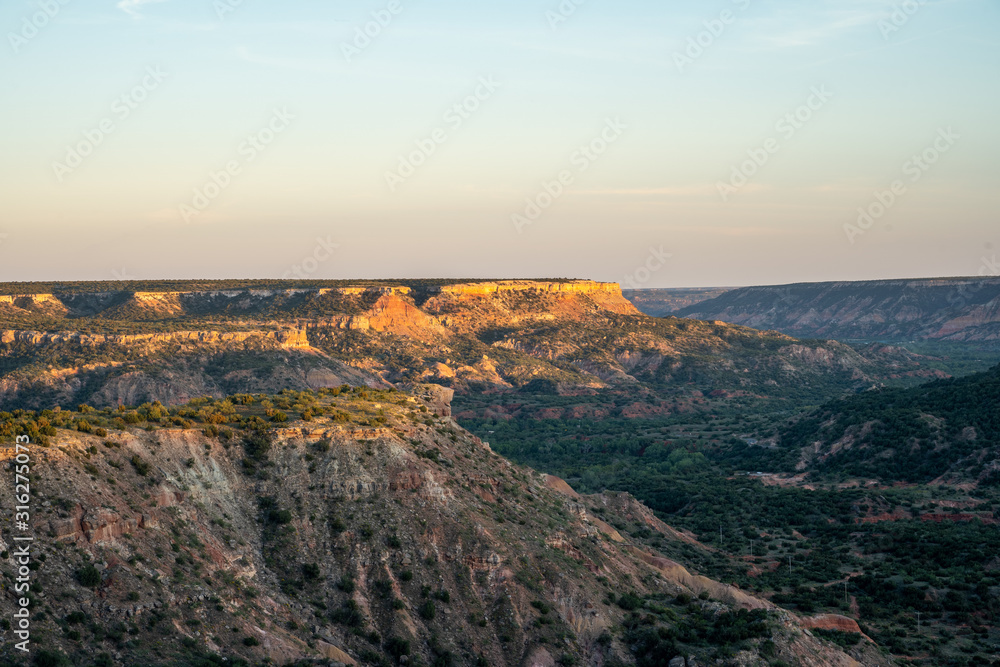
(943, 432)
(963, 310)
(662, 302)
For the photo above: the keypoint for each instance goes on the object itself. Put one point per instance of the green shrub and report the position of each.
(397, 647)
(88, 576)
(629, 602)
(428, 610)
(349, 614)
(279, 517)
(257, 444)
(141, 467)
(45, 658)
(76, 617)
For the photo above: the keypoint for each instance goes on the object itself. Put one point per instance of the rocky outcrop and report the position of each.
(44, 303)
(284, 338)
(607, 296)
(333, 653)
(494, 288)
(373, 522)
(478, 337)
(831, 622)
(392, 314)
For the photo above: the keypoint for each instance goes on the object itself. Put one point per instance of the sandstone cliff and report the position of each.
(143, 345)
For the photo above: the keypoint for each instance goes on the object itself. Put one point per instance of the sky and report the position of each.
(657, 144)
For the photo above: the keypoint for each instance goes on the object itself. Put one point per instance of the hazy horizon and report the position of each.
(338, 155)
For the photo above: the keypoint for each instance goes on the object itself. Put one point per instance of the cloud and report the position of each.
(130, 6)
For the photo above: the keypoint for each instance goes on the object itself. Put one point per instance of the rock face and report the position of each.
(282, 339)
(347, 541)
(959, 309)
(136, 346)
(832, 622)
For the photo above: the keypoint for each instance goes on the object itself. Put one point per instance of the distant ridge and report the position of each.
(945, 309)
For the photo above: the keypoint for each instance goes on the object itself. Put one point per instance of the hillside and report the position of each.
(76, 344)
(964, 310)
(945, 431)
(353, 527)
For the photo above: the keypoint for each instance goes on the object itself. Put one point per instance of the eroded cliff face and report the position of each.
(281, 339)
(168, 304)
(340, 538)
(169, 346)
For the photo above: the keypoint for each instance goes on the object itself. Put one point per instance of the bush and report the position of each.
(51, 659)
(76, 618)
(310, 571)
(251, 641)
(349, 614)
(141, 467)
(88, 576)
(629, 602)
(428, 610)
(279, 517)
(397, 647)
(257, 444)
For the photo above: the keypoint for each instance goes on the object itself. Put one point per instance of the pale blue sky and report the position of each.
(120, 212)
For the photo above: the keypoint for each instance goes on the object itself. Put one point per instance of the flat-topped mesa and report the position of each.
(33, 298)
(469, 307)
(362, 291)
(553, 287)
(405, 307)
(47, 302)
(606, 296)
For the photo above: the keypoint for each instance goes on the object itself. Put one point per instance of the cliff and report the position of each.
(146, 345)
(283, 339)
(339, 538)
